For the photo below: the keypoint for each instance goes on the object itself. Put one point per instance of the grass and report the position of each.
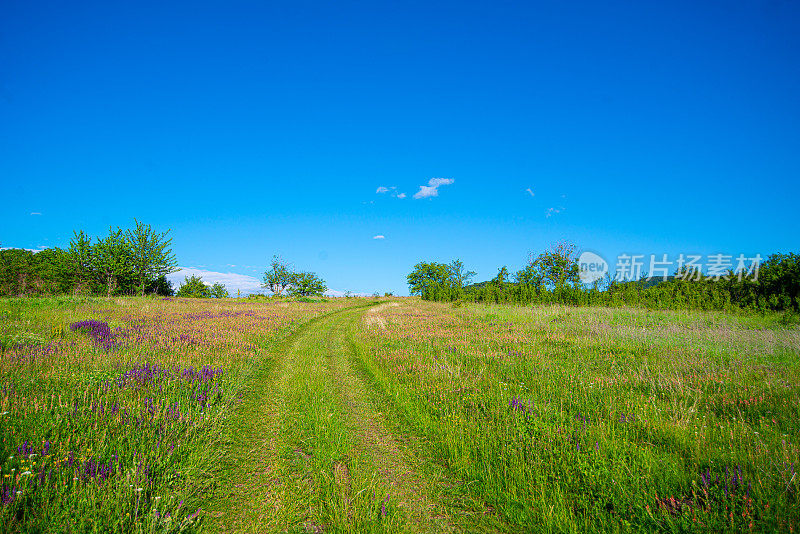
(394, 415)
(601, 419)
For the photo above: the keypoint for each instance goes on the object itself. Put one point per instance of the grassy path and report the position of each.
(308, 451)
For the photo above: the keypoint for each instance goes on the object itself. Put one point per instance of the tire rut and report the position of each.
(394, 462)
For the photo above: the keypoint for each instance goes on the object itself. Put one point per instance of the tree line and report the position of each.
(553, 277)
(124, 262)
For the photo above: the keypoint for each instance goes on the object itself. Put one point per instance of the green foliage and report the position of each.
(194, 287)
(117, 264)
(161, 286)
(111, 259)
(429, 278)
(552, 277)
(278, 277)
(307, 284)
(459, 275)
(218, 291)
(150, 255)
(281, 277)
(80, 256)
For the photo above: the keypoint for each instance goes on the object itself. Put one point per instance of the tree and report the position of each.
(501, 278)
(80, 254)
(151, 255)
(161, 286)
(426, 275)
(278, 277)
(110, 259)
(554, 268)
(459, 275)
(52, 271)
(194, 287)
(218, 291)
(306, 285)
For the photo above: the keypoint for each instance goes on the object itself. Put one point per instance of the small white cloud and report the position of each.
(530, 192)
(379, 236)
(382, 189)
(432, 189)
(401, 195)
(35, 213)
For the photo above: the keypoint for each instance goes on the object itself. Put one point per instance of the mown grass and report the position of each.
(576, 419)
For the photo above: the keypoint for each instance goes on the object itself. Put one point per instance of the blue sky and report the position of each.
(251, 129)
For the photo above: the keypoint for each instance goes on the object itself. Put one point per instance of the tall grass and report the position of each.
(585, 419)
(110, 425)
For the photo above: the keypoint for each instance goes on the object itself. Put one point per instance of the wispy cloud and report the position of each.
(391, 189)
(36, 213)
(379, 236)
(530, 192)
(232, 281)
(432, 189)
(553, 211)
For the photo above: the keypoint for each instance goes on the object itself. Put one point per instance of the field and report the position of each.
(393, 415)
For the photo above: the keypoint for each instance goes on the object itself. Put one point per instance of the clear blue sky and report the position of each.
(267, 127)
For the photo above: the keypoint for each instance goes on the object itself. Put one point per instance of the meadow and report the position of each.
(394, 415)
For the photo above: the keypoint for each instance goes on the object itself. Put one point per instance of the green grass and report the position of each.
(397, 415)
(622, 412)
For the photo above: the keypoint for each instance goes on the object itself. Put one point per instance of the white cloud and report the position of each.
(378, 237)
(232, 281)
(35, 213)
(34, 250)
(391, 189)
(432, 189)
(530, 192)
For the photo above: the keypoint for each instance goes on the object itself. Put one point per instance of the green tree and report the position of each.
(501, 278)
(555, 268)
(80, 254)
(307, 284)
(150, 254)
(17, 271)
(426, 275)
(459, 275)
(278, 277)
(218, 291)
(111, 259)
(161, 286)
(194, 287)
(53, 271)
